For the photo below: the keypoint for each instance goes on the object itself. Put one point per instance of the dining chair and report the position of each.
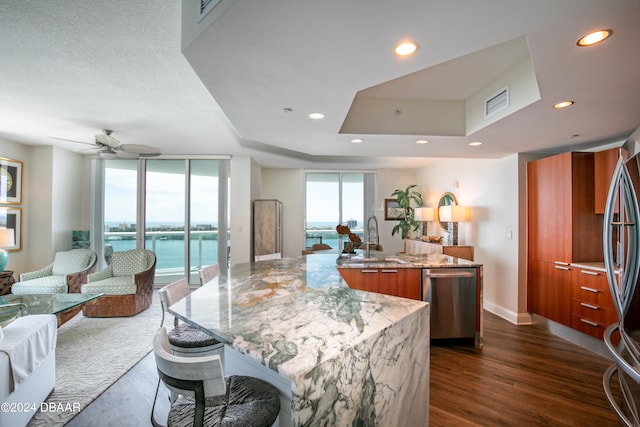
(204, 394)
(266, 257)
(209, 273)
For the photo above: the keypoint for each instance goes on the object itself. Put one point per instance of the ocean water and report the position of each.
(170, 253)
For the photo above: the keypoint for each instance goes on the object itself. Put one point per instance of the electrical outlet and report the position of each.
(509, 234)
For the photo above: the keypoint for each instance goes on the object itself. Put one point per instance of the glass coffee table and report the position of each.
(64, 306)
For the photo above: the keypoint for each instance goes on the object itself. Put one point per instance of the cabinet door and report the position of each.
(549, 199)
(363, 279)
(401, 282)
(549, 291)
(604, 163)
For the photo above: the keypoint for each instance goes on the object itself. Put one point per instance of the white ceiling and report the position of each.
(70, 68)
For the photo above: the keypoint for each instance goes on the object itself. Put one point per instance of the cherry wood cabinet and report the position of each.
(562, 228)
(400, 282)
(592, 308)
(604, 164)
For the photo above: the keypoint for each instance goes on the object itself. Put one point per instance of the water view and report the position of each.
(167, 243)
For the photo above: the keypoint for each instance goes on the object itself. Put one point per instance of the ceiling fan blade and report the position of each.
(143, 150)
(73, 140)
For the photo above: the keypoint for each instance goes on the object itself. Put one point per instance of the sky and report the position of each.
(165, 197)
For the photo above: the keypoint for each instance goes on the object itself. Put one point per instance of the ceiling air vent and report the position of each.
(206, 6)
(496, 102)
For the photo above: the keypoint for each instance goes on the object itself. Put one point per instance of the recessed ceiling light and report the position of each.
(594, 38)
(405, 48)
(563, 104)
(357, 140)
(475, 144)
(316, 116)
(422, 141)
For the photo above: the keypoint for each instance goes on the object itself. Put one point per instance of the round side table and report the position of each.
(6, 281)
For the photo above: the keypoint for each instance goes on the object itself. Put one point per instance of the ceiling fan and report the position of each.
(109, 147)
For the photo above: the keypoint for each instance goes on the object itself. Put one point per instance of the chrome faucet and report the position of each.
(367, 237)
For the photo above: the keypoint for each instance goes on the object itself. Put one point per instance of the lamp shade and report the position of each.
(7, 237)
(6, 240)
(454, 213)
(424, 214)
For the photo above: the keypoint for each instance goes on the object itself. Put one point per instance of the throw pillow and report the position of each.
(128, 263)
(71, 261)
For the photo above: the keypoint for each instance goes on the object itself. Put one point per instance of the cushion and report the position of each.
(71, 262)
(42, 285)
(118, 285)
(128, 263)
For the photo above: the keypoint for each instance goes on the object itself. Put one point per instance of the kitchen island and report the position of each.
(338, 356)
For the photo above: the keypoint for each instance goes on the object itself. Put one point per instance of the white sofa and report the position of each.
(27, 366)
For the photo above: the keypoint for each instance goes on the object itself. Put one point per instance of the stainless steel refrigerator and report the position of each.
(621, 237)
(267, 227)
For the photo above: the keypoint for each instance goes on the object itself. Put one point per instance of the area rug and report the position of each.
(92, 354)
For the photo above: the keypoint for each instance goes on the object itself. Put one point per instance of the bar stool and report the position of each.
(206, 397)
(186, 340)
(209, 273)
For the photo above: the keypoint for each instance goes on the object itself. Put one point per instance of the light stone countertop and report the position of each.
(297, 317)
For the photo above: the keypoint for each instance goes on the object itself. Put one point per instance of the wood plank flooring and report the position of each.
(523, 376)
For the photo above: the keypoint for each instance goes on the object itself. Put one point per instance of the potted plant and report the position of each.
(405, 198)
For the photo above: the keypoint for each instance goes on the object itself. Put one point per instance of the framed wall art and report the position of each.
(392, 210)
(10, 181)
(12, 218)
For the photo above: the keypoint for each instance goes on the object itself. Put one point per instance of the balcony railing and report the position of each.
(169, 248)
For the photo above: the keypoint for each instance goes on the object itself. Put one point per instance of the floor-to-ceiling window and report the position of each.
(334, 198)
(174, 207)
(119, 206)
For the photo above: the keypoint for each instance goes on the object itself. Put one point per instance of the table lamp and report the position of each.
(423, 215)
(453, 214)
(6, 240)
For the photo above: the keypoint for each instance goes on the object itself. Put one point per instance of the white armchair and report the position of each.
(127, 285)
(65, 274)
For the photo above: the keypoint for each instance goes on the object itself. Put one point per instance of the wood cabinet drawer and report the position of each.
(593, 312)
(591, 286)
(588, 326)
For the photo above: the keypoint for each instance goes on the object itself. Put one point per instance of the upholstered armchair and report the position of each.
(66, 274)
(127, 285)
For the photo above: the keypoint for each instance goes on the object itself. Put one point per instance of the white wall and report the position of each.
(491, 188)
(243, 174)
(388, 181)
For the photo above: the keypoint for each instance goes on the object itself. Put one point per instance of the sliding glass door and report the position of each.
(174, 207)
(334, 198)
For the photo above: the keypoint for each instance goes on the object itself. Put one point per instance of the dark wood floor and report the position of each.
(523, 376)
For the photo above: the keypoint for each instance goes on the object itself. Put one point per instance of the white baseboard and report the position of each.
(509, 315)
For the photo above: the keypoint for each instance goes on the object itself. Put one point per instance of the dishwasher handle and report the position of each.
(448, 274)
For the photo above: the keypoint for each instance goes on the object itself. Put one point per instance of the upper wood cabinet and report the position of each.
(562, 224)
(604, 164)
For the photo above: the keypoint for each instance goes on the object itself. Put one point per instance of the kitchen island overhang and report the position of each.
(350, 357)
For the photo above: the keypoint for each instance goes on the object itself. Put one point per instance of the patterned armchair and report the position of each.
(66, 274)
(127, 285)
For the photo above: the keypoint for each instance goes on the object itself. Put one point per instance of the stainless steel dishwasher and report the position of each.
(452, 295)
